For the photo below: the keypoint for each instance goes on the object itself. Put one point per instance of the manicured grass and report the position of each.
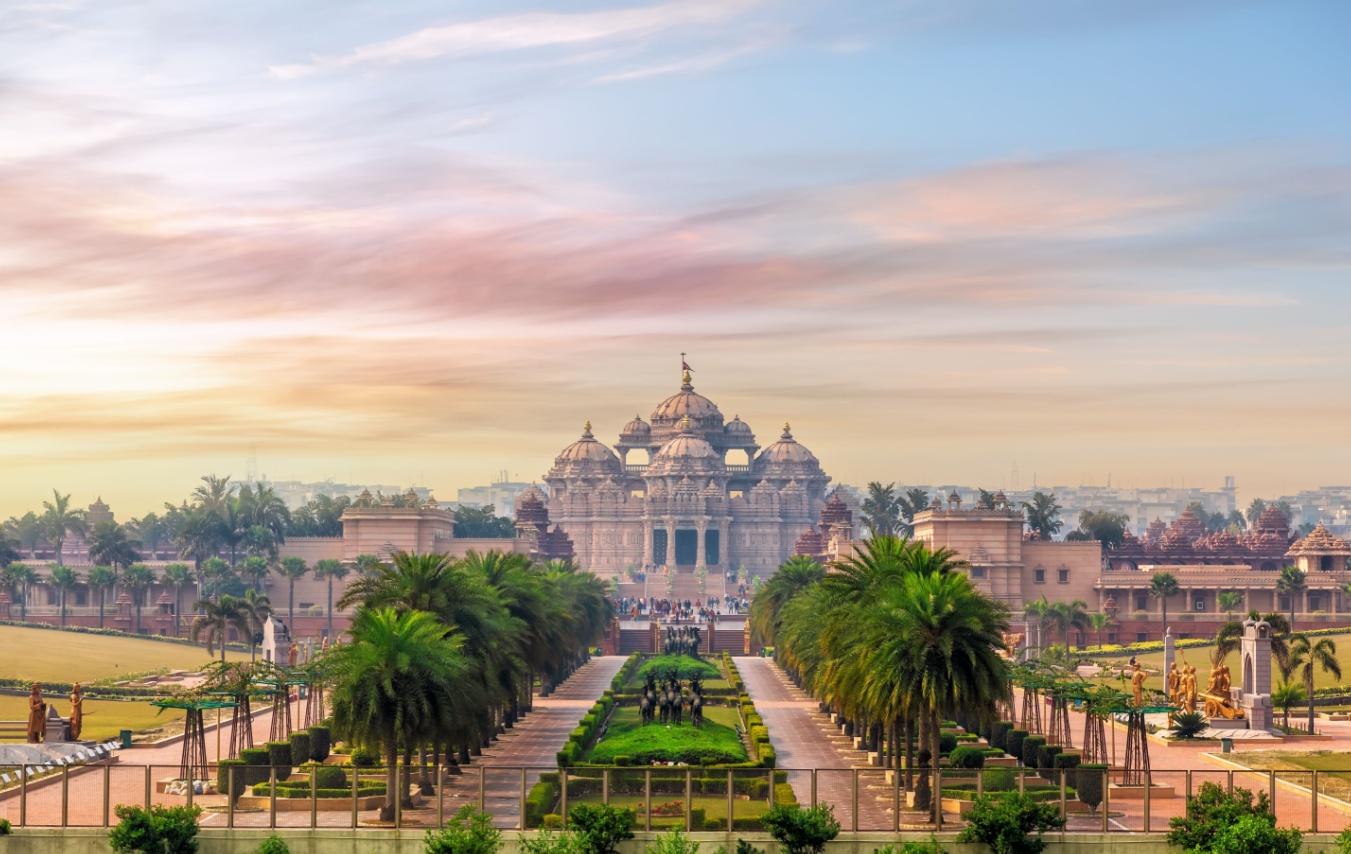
(688, 666)
(1334, 768)
(628, 737)
(45, 655)
(714, 807)
(103, 719)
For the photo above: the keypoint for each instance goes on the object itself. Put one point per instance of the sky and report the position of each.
(423, 242)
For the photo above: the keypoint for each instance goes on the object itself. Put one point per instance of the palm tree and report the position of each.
(1286, 695)
(1066, 617)
(61, 520)
(64, 579)
(216, 618)
(137, 579)
(1099, 622)
(28, 530)
(256, 608)
(262, 507)
(1255, 510)
(394, 684)
(110, 545)
(1305, 655)
(1291, 583)
(292, 568)
(1161, 586)
(150, 529)
(178, 576)
(212, 571)
(881, 510)
(102, 579)
(214, 492)
(255, 569)
(330, 570)
(1229, 601)
(199, 536)
(914, 502)
(793, 576)
(1043, 515)
(1037, 613)
(17, 578)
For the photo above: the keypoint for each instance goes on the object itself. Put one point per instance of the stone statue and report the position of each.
(1189, 688)
(76, 711)
(37, 715)
(1174, 684)
(1138, 684)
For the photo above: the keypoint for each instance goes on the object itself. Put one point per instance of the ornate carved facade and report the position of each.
(703, 494)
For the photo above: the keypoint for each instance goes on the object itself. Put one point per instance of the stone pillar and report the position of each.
(724, 545)
(648, 529)
(1255, 674)
(1169, 650)
(670, 543)
(701, 553)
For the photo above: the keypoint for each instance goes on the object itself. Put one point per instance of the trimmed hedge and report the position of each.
(967, 757)
(300, 748)
(256, 760)
(947, 742)
(241, 782)
(1013, 743)
(1067, 763)
(1046, 756)
(321, 743)
(1090, 778)
(279, 756)
(999, 731)
(328, 776)
(1031, 747)
(302, 790)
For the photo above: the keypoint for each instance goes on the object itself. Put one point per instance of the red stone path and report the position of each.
(532, 742)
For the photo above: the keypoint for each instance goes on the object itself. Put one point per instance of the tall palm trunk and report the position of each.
(391, 775)
(1308, 689)
(63, 609)
(103, 605)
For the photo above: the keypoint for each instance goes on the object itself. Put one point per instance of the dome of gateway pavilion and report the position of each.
(688, 490)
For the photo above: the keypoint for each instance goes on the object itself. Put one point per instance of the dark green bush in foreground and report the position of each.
(158, 830)
(1007, 822)
(801, 831)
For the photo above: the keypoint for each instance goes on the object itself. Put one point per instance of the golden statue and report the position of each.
(37, 715)
(1174, 684)
(1219, 699)
(1138, 684)
(76, 711)
(1188, 688)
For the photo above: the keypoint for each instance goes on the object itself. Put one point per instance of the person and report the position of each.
(76, 711)
(37, 715)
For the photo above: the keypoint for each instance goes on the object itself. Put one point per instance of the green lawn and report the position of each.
(714, 807)
(688, 666)
(628, 737)
(1199, 657)
(45, 655)
(103, 719)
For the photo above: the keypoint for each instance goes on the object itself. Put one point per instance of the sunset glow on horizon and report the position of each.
(421, 243)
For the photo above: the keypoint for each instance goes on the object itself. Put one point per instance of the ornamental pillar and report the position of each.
(700, 552)
(648, 531)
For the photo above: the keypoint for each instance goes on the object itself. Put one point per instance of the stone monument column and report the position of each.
(648, 530)
(1255, 662)
(670, 543)
(701, 553)
(1169, 650)
(724, 544)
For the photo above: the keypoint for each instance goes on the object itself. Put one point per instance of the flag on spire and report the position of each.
(684, 365)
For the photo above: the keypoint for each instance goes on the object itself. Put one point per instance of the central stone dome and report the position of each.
(702, 412)
(686, 454)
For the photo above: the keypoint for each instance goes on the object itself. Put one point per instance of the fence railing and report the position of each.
(663, 797)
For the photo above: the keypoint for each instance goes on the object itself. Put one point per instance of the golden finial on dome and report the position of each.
(786, 428)
(685, 379)
(685, 424)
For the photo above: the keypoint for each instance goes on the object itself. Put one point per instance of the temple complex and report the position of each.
(1186, 541)
(686, 489)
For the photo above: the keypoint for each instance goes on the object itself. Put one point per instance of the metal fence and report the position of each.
(664, 797)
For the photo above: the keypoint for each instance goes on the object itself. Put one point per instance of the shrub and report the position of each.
(967, 757)
(274, 844)
(471, 831)
(1257, 833)
(548, 842)
(300, 748)
(999, 731)
(223, 779)
(256, 760)
(1031, 745)
(5, 827)
(1211, 812)
(158, 830)
(675, 842)
(1000, 779)
(621, 760)
(363, 758)
(1189, 724)
(1013, 743)
(1005, 822)
(931, 847)
(602, 827)
(801, 831)
(328, 776)
(1047, 754)
(947, 742)
(1090, 779)
(321, 743)
(1066, 763)
(279, 756)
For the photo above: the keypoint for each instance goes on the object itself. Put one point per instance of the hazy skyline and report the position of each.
(401, 241)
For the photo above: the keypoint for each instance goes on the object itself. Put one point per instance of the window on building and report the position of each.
(1111, 637)
(1200, 603)
(977, 572)
(1141, 637)
(1142, 601)
(1285, 603)
(1039, 576)
(1063, 576)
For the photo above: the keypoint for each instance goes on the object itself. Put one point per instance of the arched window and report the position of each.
(737, 457)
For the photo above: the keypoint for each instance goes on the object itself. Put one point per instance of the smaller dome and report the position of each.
(786, 450)
(1272, 519)
(588, 450)
(637, 427)
(738, 427)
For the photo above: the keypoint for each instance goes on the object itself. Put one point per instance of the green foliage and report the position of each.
(274, 844)
(279, 755)
(1189, 724)
(801, 831)
(1000, 779)
(661, 665)
(967, 757)
(363, 758)
(1013, 742)
(5, 827)
(471, 831)
(999, 732)
(300, 748)
(1006, 822)
(223, 777)
(1257, 834)
(1213, 811)
(744, 847)
(158, 830)
(1090, 780)
(675, 842)
(1066, 763)
(947, 742)
(321, 743)
(1047, 754)
(328, 776)
(641, 745)
(602, 827)
(549, 842)
(931, 847)
(1031, 746)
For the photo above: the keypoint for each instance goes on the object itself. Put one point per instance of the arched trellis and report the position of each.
(236, 681)
(277, 682)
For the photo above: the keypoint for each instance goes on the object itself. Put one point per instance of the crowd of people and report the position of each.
(666, 610)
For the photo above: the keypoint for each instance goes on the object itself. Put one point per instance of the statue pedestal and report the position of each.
(1226, 723)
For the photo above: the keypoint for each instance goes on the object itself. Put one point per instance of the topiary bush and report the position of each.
(967, 757)
(1090, 779)
(1031, 745)
(321, 743)
(947, 742)
(363, 758)
(256, 761)
(1047, 754)
(999, 731)
(224, 780)
(328, 776)
(1065, 763)
(279, 757)
(1000, 779)
(801, 831)
(300, 748)
(1013, 743)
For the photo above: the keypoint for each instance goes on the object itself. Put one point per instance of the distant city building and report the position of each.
(297, 493)
(501, 494)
